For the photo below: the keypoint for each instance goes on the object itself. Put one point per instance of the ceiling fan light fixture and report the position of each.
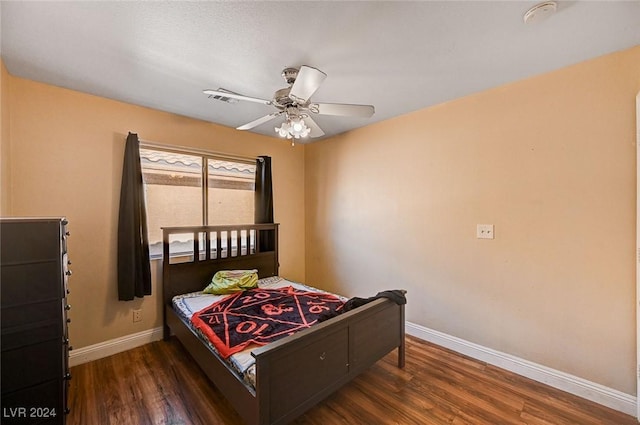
(293, 128)
(298, 128)
(283, 130)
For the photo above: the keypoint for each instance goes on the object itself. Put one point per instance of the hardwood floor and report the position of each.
(160, 384)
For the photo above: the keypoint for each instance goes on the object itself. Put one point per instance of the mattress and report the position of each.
(242, 362)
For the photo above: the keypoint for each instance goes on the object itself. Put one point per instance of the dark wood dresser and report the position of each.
(35, 341)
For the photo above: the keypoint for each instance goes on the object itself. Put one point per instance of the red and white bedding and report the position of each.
(235, 324)
(262, 315)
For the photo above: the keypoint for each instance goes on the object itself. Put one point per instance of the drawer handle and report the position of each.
(67, 376)
(323, 356)
(67, 307)
(68, 272)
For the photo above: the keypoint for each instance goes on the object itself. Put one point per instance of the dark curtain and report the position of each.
(134, 269)
(264, 202)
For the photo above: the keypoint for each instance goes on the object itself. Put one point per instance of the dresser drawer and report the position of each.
(29, 335)
(35, 405)
(30, 241)
(36, 313)
(30, 283)
(32, 364)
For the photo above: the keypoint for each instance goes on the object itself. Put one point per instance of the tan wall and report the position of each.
(550, 161)
(66, 158)
(5, 151)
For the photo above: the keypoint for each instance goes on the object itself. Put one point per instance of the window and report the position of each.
(193, 189)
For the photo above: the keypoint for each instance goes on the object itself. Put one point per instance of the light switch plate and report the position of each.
(484, 231)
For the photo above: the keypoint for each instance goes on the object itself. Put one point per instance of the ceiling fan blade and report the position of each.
(306, 84)
(344, 109)
(316, 131)
(235, 96)
(259, 121)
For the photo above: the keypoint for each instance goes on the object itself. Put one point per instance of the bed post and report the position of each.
(166, 332)
(401, 348)
(276, 242)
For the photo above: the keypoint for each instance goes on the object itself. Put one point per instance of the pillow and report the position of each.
(229, 281)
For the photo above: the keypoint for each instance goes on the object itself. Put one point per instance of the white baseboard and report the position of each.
(600, 394)
(113, 346)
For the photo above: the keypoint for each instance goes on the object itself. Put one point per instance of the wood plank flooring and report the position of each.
(160, 384)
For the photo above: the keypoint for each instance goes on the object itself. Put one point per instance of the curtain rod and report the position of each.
(186, 149)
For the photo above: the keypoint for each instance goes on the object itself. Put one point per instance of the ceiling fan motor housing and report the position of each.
(281, 98)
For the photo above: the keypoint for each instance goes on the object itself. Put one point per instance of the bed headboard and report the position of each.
(193, 254)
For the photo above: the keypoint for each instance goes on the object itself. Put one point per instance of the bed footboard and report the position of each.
(327, 356)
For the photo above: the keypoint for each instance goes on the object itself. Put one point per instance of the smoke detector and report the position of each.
(540, 11)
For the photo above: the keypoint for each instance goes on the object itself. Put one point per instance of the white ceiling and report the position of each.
(397, 56)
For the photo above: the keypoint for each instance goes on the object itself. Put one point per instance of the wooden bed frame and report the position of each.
(294, 373)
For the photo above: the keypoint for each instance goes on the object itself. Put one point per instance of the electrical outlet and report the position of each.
(137, 315)
(484, 231)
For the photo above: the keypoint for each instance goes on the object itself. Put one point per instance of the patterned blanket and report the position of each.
(261, 316)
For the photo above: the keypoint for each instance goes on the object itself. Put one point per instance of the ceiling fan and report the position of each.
(293, 102)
